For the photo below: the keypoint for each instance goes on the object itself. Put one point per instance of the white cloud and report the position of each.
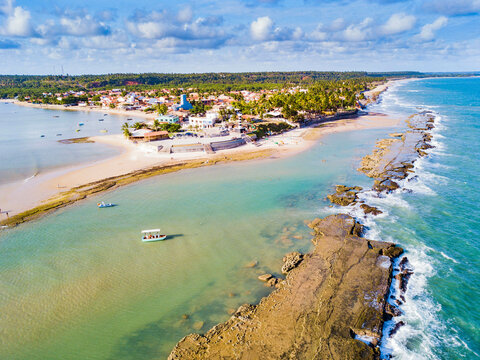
(398, 23)
(264, 29)
(148, 29)
(358, 32)
(17, 22)
(428, 31)
(261, 28)
(82, 26)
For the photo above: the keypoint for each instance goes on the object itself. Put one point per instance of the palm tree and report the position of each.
(127, 133)
(156, 125)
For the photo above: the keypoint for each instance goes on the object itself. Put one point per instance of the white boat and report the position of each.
(104, 205)
(152, 235)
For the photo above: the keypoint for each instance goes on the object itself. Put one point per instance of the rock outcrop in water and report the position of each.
(333, 298)
(344, 195)
(393, 158)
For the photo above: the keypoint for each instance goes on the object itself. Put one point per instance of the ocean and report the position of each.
(436, 218)
(79, 283)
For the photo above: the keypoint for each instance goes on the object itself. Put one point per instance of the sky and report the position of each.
(179, 36)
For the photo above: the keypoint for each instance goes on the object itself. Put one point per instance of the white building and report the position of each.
(203, 122)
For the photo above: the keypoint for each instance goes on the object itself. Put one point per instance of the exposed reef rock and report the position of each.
(290, 261)
(393, 158)
(367, 209)
(333, 298)
(344, 195)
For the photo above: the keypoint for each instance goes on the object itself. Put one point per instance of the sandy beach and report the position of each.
(21, 196)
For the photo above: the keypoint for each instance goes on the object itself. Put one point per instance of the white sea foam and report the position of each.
(448, 257)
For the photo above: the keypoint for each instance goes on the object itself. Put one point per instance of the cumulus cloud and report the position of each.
(17, 22)
(428, 31)
(398, 23)
(83, 26)
(358, 32)
(264, 29)
(178, 33)
(261, 28)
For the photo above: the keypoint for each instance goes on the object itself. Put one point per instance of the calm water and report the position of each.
(80, 284)
(23, 152)
(439, 224)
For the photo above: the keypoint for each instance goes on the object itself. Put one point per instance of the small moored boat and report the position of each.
(80, 124)
(104, 205)
(103, 130)
(152, 235)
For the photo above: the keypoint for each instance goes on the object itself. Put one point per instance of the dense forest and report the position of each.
(34, 85)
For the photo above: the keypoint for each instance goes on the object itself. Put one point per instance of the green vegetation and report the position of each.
(263, 130)
(35, 86)
(324, 97)
(171, 128)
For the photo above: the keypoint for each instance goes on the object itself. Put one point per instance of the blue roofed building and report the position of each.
(184, 104)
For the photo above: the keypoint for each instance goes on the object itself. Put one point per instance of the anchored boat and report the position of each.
(104, 205)
(152, 235)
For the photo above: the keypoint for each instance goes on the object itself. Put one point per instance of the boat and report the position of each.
(105, 114)
(77, 130)
(59, 134)
(81, 124)
(42, 135)
(129, 119)
(102, 205)
(100, 119)
(103, 130)
(152, 235)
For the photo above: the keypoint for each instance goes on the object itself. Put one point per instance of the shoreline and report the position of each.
(119, 112)
(51, 190)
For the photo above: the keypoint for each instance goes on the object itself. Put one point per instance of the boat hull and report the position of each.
(160, 238)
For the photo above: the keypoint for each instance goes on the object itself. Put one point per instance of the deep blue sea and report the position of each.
(438, 223)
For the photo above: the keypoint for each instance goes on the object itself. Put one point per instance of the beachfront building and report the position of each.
(156, 135)
(168, 118)
(203, 122)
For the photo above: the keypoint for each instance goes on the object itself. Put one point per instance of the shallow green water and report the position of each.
(79, 284)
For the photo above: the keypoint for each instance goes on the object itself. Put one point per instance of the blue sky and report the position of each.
(42, 36)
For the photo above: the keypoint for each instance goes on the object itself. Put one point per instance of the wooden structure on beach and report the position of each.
(156, 135)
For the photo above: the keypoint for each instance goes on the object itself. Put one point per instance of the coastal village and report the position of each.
(188, 121)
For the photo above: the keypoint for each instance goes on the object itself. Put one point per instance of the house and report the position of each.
(156, 135)
(203, 122)
(170, 119)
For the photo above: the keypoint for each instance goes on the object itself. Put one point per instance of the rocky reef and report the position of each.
(391, 161)
(331, 305)
(393, 158)
(344, 195)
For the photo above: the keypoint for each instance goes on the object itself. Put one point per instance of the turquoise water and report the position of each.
(439, 224)
(20, 139)
(79, 284)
